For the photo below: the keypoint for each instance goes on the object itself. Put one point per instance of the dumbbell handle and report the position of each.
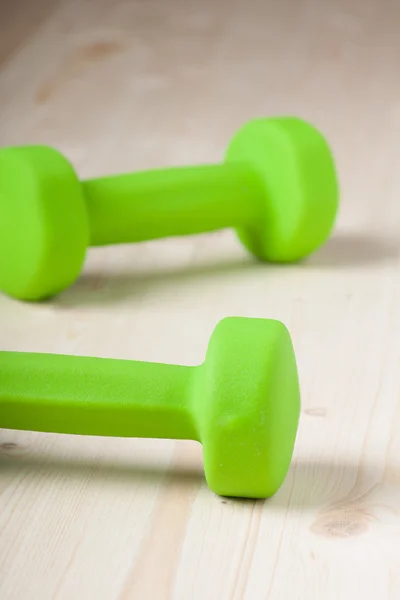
(171, 202)
(96, 396)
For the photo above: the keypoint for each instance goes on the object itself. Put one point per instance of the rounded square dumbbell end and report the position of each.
(250, 410)
(44, 230)
(297, 174)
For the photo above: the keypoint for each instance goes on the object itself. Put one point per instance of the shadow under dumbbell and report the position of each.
(56, 466)
(327, 485)
(341, 497)
(344, 250)
(354, 249)
(316, 483)
(97, 289)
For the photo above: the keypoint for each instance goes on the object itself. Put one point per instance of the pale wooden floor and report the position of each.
(134, 84)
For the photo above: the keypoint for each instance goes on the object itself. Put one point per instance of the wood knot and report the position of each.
(342, 522)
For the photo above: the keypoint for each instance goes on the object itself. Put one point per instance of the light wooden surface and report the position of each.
(134, 84)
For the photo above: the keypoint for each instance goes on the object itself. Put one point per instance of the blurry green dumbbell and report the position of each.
(242, 403)
(277, 187)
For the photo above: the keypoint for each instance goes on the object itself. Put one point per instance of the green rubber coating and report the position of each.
(277, 188)
(44, 230)
(171, 202)
(300, 199)
(242, 403)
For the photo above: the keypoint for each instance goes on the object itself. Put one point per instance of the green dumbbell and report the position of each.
(277, 188)
(242, 403)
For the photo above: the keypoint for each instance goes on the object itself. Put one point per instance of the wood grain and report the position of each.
(133, 84)
(19, 21)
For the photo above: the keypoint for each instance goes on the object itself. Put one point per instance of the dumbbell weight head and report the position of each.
(44, 230)
(296, 168)
(248, 407)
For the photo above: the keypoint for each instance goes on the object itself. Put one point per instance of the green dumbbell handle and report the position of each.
(172, 202)
(96, 396)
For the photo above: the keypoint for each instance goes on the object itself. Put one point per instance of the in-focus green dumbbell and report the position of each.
(277, 188)
(242, 403)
